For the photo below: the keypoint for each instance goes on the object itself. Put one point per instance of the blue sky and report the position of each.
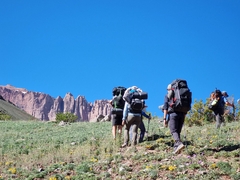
(88, 47)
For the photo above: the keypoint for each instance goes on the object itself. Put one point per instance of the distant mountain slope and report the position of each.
(14, 112)
(45, 107)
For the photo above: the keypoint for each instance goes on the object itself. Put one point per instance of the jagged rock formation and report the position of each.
(44, 107)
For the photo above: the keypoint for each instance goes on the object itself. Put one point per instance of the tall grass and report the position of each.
(45, 150)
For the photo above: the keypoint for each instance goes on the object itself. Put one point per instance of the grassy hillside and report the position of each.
(45, 150)
(14, 112)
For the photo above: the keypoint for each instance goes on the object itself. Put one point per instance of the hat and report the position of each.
(225, 93)
(160, 107)
(169, 87)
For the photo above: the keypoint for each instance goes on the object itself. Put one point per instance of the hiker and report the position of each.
(227, 103)
(218, 104)
(132, 113)
(117, 103)
(176, 111)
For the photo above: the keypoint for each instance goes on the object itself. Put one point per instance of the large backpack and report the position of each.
(118, 102)
(181, 99)
(135, 97)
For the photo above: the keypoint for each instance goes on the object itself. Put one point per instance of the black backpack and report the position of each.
(137, 105)
(137, 102)
(181, 99)
(118, 101)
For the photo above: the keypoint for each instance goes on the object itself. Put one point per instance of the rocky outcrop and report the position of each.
(44, 107)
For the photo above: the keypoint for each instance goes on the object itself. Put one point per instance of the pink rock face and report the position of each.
(45, 107)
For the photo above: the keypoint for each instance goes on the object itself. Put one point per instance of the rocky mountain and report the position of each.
(10, 111)
(44, 107)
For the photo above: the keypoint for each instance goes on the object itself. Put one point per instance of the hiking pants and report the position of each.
(134, 121)
(219, 120)
(219, 117)
(142, 131)
(175, 123)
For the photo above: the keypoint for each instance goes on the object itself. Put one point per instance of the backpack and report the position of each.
(137, 105)
(135, 97)
(181, 98)
(216, 100)
(118, 102)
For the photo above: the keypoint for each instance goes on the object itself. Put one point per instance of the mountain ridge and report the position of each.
(44, 107)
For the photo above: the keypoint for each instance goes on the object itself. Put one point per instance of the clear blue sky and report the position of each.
(88, 47)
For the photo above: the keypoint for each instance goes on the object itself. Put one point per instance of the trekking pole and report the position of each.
(185, 136)
(233, 109)
(148, 125)
(149, 120)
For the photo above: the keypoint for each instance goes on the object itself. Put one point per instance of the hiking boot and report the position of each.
(178, 149)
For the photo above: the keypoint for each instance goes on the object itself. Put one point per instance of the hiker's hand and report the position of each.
(165, 123)
(123, 122)
(150, 117)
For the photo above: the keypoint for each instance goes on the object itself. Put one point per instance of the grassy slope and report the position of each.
(14, 111)
(44, 150)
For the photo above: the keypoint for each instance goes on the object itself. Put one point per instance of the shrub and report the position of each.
(5, 117)
(66, 117)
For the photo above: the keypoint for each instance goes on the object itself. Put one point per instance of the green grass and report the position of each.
(45, 150)
(14, 112)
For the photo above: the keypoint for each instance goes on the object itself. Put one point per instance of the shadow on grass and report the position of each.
(226, 148)
(154, 137)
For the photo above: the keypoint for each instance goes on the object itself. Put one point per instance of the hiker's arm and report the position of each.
(165, 119)
(145, 115)
(165, 107)
(125, 113)
(229, 104)
(111, 101)
(165, 112)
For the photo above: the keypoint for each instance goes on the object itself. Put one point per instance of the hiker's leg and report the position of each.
(126, 131)
(218, 120)
(180, 122)
(114, 131)
(119, 124)
(222, 120)
(135, 125)
(120, 129)
(114, 125)
(130, 133)
(173, 126)
(142, 131)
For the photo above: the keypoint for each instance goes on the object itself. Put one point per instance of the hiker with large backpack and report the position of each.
(218, 101)
(117, 103)
(177, 103)
(132, 112)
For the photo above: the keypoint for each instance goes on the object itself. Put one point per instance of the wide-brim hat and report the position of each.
(169, 87)
(225, 93)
